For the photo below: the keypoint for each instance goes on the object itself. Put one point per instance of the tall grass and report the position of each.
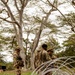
(13, 73)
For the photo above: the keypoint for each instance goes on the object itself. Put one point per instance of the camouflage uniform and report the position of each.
(37, 60)
(42, 56)
(52, 56)
(18, 63)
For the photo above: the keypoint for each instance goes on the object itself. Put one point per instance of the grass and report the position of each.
(13, 73)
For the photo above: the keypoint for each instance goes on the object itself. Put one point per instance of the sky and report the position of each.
(8, 57)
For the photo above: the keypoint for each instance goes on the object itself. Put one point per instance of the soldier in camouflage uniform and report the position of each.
(37, 60)
(18, 63)
(41, 56)
(52, 56)
(44, 54)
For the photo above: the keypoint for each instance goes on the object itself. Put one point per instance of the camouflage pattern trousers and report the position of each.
(18, 71)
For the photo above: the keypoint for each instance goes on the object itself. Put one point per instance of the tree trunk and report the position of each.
(35, 44)
(32, 61)
(20, 43)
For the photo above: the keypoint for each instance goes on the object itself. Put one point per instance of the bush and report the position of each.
(9, 66)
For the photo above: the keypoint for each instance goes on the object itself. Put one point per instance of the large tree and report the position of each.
(15, 18)
(12, 18)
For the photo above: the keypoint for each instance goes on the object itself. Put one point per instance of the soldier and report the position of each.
(37, 58)
(51, 53)
(52, 56)
(18, 63)
(44, 55)
(41, 56)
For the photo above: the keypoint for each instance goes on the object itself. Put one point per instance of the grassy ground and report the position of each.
(13, 73)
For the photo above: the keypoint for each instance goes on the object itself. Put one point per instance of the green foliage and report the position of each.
(9, 66)
(37, 19)
(49, 25)
(70, 42)
(68, 20)
(69, 45)
(52, 43)
(2, 62)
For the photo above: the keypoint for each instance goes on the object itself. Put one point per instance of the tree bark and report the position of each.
(36, 40)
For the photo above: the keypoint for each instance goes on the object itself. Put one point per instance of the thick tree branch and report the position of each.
(24, 3)
(36, 40)
(44, 20)
(7, 20)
